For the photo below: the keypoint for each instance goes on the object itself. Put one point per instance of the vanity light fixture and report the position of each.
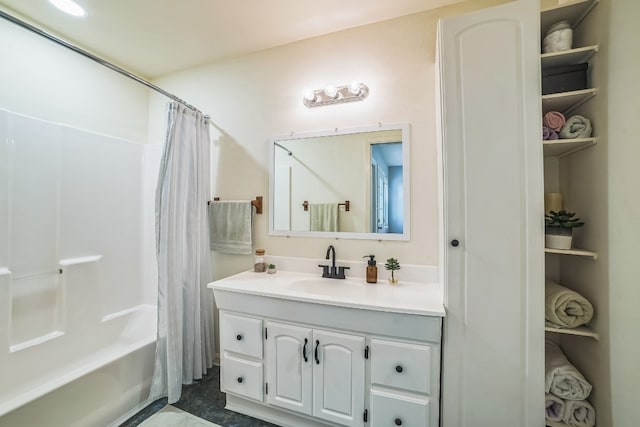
(70, 7)
(355, 91)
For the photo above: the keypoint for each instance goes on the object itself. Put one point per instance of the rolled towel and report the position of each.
(579, 413)
(554, 120)
(561, 377)
(554, 407)
(565, 307)
(576, 127)
(548, 134)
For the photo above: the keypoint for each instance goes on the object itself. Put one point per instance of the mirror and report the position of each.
(343, 183)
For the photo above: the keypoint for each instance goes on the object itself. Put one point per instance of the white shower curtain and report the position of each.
(185, 344)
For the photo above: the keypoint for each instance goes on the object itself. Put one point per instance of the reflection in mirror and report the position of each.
(350, 183)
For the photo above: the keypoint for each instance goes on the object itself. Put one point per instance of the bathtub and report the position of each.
(96, 380)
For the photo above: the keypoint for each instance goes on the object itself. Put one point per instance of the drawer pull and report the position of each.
(316, 352)
(304, 350)
(399, 370)
(239, 337)
(240, 379)
(398, 422)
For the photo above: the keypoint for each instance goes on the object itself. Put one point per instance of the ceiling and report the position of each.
(157, 37)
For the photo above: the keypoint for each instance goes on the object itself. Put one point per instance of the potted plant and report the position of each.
(271, 268)
(393, 265)
(559, 229)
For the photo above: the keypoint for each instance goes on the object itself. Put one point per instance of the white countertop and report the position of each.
(404, 297)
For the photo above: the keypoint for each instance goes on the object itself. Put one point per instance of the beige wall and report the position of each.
(623, 140)
(260, 95)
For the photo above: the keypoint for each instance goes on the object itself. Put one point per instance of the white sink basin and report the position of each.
(330, 287)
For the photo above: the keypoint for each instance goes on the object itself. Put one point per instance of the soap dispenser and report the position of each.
(372, 270)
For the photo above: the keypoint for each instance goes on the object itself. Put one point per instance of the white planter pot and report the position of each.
(555, 241)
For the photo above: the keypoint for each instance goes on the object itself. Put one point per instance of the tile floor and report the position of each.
(203, 399)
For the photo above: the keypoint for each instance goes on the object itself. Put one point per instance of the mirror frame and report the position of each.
(406, 177)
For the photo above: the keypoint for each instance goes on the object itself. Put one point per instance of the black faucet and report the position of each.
(334, 272)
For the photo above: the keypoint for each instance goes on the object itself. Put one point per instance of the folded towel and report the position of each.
(565, 307)
(548, 134)
(576, 127)
(557, 38)
(561, 377)
(554, 407)
(323, 217)
(579, 413)
(230, 227)
(553, 120)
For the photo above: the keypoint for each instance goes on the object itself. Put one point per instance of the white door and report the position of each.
(493, 360)
(338, 378)
(288, 363)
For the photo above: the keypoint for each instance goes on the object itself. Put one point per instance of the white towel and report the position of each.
(323, 217)
(554, 407)
(230, 226)
(565, 307)
(579, 413)
(561, 377)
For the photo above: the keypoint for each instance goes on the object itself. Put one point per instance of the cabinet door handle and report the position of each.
(455, 243)
(399, 369)
(316, 352)
(240, 379)
(398, 421)
(239, 337)
(304, 350)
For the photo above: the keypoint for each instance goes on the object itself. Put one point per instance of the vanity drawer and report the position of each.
(243, 377)
(401, 365)
(388, 410)
(242, 335)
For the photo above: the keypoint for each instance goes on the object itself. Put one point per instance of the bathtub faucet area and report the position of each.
(332, 272)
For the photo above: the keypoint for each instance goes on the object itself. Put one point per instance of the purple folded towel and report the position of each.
(548, 134)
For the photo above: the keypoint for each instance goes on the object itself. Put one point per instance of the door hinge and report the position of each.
(365, 418)
(266, 388)
(265, 333)
(366, 352)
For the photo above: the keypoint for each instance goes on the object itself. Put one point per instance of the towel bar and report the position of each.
(257, 203)
(346, 204)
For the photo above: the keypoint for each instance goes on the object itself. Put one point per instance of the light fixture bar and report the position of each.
(336, 95)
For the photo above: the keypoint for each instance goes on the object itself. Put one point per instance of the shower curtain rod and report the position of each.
(95, 58)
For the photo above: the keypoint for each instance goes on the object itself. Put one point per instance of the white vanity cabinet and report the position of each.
(300, 361)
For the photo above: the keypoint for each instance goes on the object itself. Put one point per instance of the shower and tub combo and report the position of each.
(78, 284)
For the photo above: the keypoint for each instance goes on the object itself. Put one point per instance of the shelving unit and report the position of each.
(582, 331)
(577, 252)
(567, 103)
(568, 57)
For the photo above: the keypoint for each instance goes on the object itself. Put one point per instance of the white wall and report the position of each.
(41, 79)
(260, 95)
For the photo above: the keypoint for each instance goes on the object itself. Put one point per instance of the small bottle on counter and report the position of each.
(372, 269)
(259, 265)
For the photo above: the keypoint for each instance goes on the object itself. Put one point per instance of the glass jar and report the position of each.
(259, 265)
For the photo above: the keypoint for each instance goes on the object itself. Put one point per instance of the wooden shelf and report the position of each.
(566, 102)
(582, 331)
(573, 12)
(577, 252)
(564, 147)
(568, 57)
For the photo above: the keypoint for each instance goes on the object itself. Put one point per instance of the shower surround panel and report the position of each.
(73, 251)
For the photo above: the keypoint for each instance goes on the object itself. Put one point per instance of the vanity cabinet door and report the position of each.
(338, 377)
(288, 362)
